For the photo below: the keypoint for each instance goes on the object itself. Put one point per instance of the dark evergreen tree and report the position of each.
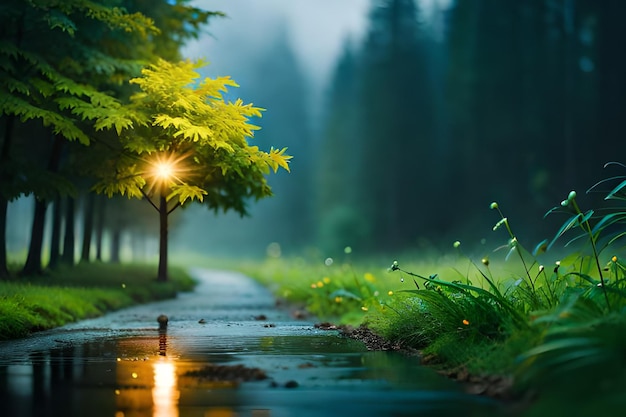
(279, 85)
(395, 128)
(521, 96)
(341, 222)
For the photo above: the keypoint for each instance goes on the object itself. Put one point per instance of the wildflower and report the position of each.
(314, 285)
(390, 293)
(614, 258)
(456, 244)
(466, 322)
(320, 284)
(493, 206)
(338, 299)
(326, 280)
(369, 277)
(364, 308)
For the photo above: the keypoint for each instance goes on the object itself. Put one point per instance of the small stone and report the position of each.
(162, 320)
(291, 384)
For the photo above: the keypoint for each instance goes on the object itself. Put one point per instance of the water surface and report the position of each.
(122, 365)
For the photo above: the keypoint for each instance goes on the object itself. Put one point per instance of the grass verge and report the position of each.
(29, 304)
(556, 329)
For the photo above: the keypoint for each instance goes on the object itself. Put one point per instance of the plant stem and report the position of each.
(587, 228)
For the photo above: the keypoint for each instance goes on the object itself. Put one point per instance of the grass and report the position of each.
(559, 329)
(29, 304)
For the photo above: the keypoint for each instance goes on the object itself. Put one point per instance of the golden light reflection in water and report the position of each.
(147, 385)
(165, 393)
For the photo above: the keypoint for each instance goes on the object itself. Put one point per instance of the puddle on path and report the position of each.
(123, 366)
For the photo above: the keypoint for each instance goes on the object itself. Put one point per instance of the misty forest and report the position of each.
(422, 125)
(479, 137)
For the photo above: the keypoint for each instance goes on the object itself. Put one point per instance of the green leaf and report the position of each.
(615, 193)
(570, 223)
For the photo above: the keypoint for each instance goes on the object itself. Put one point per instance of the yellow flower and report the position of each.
(369, 277)
(326, 280)
(390, 292)
(614, 258)
(320, 284)
(466, 322)
(338, 299)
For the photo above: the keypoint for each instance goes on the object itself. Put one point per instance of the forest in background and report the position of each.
(424, 123)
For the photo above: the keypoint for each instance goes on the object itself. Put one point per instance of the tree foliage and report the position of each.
(187, 123)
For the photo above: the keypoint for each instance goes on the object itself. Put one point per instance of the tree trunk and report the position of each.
(4, 271)
(99, 227)
(116, 237)
(55, 238)
(88, 214)
(163, 212)
(33, 260)
(5, 178)
(68, 239)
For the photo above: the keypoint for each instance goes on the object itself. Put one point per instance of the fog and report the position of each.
(405, 121)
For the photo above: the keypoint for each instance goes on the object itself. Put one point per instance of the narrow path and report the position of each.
(121, 365)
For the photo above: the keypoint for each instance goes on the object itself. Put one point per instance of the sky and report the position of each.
(317, 30)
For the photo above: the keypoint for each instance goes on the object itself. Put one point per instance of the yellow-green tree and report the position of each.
(188, 143)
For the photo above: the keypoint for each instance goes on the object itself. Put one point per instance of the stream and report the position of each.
(227, 351)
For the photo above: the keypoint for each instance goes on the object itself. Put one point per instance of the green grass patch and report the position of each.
(67, 294)
(558, 328)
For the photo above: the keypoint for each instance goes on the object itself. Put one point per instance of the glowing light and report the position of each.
(165, 394)
(163, 170)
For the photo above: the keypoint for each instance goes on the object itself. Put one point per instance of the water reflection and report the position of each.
(135, 377)
(148, 376)
(165, 393)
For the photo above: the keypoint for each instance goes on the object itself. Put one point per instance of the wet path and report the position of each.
(121, 365)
